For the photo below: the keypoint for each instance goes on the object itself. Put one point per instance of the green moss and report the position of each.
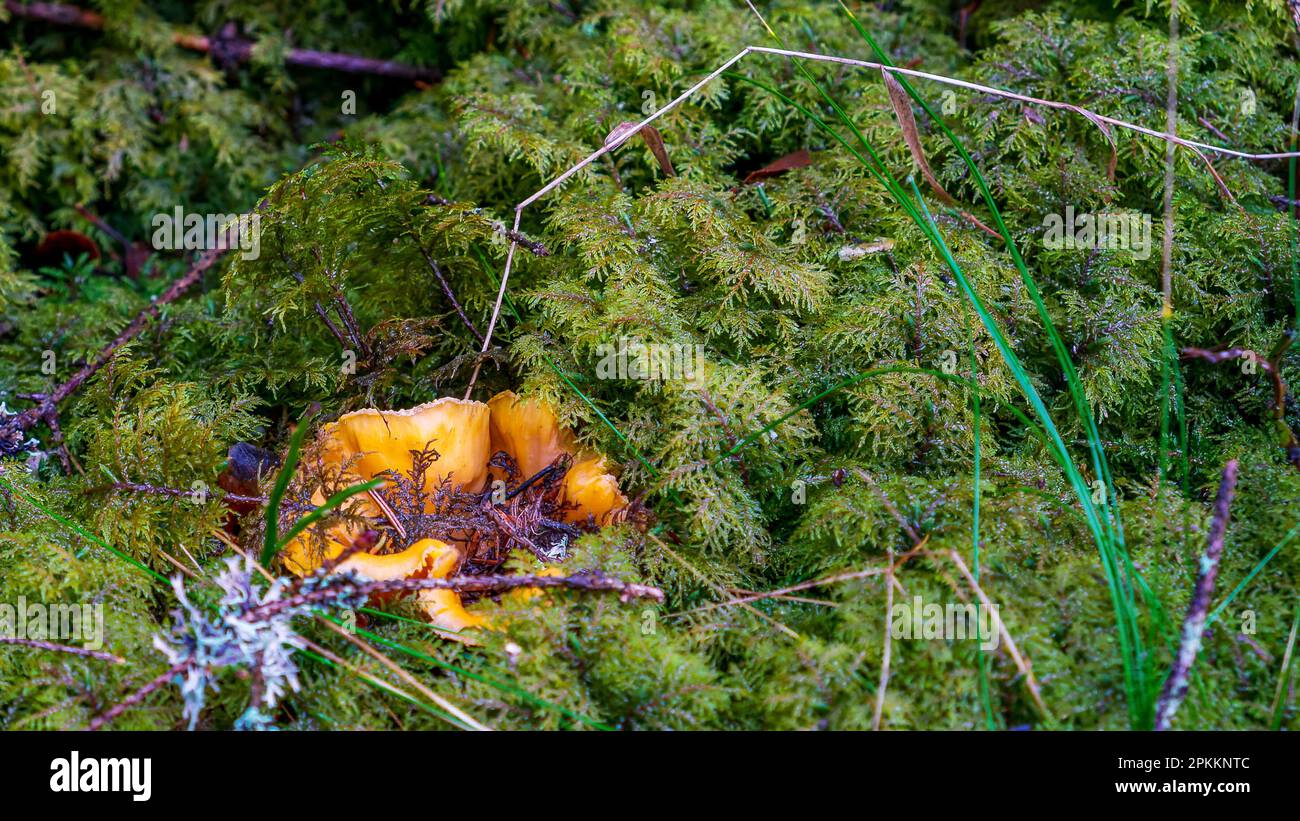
(754, 275)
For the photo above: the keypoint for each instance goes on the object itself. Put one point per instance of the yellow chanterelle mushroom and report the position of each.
(370, 443)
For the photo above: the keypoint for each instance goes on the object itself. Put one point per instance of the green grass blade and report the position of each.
(272, 542)
(331, 504)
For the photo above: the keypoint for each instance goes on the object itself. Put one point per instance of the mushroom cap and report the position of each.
(592, 490)
(443, 607)
(383, 440)
(529, 432)
(392, 566)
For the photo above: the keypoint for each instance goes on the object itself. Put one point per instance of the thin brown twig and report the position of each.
(1021, 662)
(47, 404)
(461, 715)
(177, 564)
(719, 589)
(446, 290)
(357, 671)
(465, 584)
(1271, 365)
(535, 247)
(841, 577)
(137, 487)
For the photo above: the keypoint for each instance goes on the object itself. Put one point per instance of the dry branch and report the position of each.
(466, 584)
(1021, 662)
(135, 698)
(1194, 624)
(46, 408)
(1271, 366)
(227, 47)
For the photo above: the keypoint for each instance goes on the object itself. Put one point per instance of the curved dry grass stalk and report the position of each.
(625, 131)
(1022, 663)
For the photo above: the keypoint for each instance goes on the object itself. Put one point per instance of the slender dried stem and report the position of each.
(461, 715)
(1021, 662)
(48, 402)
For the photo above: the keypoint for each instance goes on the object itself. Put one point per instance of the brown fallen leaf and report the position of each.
(791, 161)
(655, 142)
(60, 244)
(907, 122)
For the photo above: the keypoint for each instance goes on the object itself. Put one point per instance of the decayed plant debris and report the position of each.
(829, 390)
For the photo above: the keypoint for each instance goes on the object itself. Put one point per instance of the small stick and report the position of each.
(63, 648)
(48, 402)
(474, 584)
(388, 512)
(859, 574)
(1272, 366)
(533, 246)
(135, 698)
(407, 677)
(446, 290)
(357, 671)
(1175, 688)
(234, 48)
(136, 487)
(717, 588)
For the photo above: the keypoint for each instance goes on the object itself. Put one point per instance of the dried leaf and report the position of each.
(619, 135)
(655, 142)
(903, 111)
(797, 159)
